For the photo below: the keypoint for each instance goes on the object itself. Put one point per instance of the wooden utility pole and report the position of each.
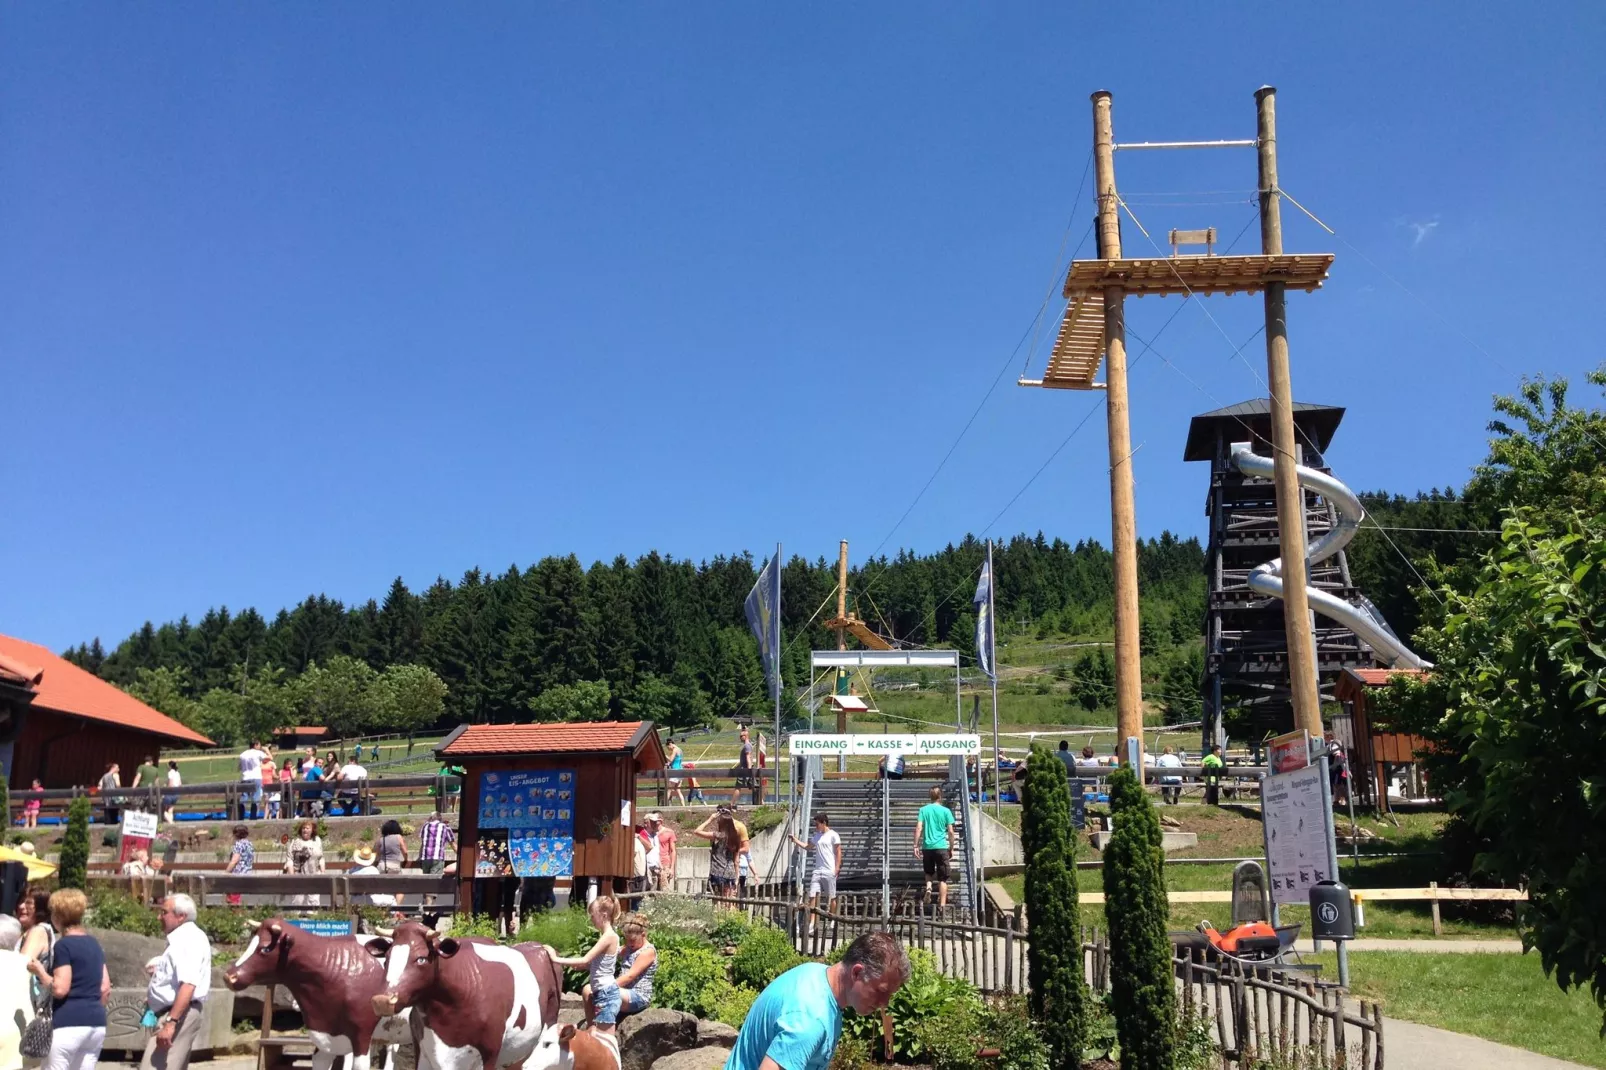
(1123, 510)
(1290, 498)
(842, 614)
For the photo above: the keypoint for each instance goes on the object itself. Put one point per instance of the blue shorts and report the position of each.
(606, 1003)
(632, 1002)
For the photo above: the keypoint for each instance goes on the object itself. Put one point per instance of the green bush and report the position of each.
(1142, 978)
(928, 995)
(729, 927)
(730, 1003)
(765, 818)
(74, 871)
(222, 925)
(762, 956)
(687, 978)
(123, 913)
(479, 925)
(1054, 964)
(570, 934)
(851, 1053)
(664, 939)
(954, 1041)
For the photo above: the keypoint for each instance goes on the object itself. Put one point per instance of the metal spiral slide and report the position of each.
(1365, 621)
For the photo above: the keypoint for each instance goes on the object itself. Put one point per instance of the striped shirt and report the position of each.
(643, 984)
(436, 835)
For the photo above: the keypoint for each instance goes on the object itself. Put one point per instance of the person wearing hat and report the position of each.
(363, 865)
(665, 837)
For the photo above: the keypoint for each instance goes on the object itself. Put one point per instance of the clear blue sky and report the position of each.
(299, 298)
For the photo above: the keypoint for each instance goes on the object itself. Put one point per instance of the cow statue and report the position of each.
(334, 981)
(587, 1050)
(477, 1004)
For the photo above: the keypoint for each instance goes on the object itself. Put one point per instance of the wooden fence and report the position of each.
(1254, 1012)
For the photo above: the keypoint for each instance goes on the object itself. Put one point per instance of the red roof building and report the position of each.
(1377, 752)
(64, 725)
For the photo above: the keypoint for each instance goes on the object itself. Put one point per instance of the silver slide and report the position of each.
(1266, 579)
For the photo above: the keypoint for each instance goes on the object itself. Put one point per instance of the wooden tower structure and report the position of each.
(1093, 330)
(1246, 639)
(845, 624)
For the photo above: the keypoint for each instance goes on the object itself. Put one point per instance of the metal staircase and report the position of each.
(876, 820)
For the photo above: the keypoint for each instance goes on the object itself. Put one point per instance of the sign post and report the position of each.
(138, 831)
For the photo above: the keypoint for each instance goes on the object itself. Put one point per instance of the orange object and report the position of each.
(1248, 938)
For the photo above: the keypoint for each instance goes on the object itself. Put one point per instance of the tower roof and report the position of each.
(1252, 420)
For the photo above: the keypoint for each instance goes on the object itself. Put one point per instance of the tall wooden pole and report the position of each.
(1290, 498)
(1123, 511)
(842, 633)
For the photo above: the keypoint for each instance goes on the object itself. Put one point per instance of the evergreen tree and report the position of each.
(586, 701)
(1054, 968)
(1142, 979)
(74, 863)
(401, 625)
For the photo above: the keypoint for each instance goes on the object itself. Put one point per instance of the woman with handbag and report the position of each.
(77, 985)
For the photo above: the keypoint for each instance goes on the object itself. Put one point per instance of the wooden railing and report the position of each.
(1255, 1011)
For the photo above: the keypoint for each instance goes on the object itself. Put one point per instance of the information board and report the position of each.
(138, 830)
(526, 824)
(968, 744)
(323, 926)
(1288, 752)
(1295, 811)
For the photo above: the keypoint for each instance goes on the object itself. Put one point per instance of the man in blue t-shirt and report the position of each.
(934, 844)
(795, 1022)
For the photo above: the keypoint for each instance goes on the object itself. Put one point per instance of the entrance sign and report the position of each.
(967, 744)
(528, 817)
(1295, 809)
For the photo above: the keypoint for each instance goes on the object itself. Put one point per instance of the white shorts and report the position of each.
(823, 885)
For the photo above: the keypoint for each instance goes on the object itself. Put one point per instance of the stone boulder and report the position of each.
(711, 1058)
(717, 1034)
(126, 955)
(647, 1037)
(571, 1008)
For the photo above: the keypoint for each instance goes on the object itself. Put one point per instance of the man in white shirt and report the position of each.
(1170, 786)
(351, 777)
(827, 844)
(251, 760)
(180, 982)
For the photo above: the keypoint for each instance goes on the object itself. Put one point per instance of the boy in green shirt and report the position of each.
(934, 844)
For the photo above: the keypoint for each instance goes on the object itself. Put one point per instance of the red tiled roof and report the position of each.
(19, 673)
(589, 737)
(1379, 677)
(65, 688)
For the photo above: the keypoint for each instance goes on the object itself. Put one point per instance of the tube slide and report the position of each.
(1266, 579)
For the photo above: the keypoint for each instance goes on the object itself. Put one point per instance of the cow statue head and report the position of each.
(263, 955)
(412, 954)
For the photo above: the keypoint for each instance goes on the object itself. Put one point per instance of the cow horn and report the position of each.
(276, 929)
(252, 925)
(386, 933)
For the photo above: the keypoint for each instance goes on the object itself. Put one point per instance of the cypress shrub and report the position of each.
(1143, 996)
(74, 871)
(5, 796)
(1054, 970)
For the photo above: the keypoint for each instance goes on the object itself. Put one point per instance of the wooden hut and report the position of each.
(1375, 748)
(578, 779)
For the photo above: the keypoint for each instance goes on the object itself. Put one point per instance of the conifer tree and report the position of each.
(1054, 954)
(1142, 982)
(75, 845)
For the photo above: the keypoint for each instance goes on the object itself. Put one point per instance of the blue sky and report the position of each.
(299, 298)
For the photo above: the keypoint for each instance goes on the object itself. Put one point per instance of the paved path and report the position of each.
(1436, 946)
(1409, 1046)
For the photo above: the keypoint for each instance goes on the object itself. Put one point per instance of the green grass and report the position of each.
(1505, 998)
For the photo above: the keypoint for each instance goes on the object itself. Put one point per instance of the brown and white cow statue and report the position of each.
(587, 1050)
(476, 1004)
(334, 981)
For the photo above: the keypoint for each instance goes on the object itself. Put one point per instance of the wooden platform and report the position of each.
(1079, 348)
(1198, 274)
(859, 630)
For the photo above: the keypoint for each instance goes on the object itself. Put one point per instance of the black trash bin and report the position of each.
(1332, 913)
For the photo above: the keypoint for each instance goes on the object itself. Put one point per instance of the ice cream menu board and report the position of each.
(530, 816)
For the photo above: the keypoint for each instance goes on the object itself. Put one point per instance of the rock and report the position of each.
(1169, 822)
(126, 955)
(716, 1034)
(571, 1008)
(695, 1059)
(656, 1032)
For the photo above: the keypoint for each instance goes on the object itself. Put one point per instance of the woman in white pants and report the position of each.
(78, 984)
(16, 997)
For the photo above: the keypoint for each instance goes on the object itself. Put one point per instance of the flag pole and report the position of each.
(778, 647)
(992, 614)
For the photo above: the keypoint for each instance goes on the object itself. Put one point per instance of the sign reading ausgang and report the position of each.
(886, 743)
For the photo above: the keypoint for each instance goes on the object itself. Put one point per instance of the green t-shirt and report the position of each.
(935, 819)
(149, 775)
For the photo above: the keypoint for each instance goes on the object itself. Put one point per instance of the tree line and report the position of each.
(659, 637)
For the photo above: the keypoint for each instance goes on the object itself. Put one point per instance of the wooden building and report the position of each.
(63, 724)
(1377, 752)
(592, 765)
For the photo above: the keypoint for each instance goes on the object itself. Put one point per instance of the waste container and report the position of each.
(1331, 914)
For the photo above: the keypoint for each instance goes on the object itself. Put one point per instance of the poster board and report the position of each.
(138, 831)
(526, 824)
(323, 926)
(1288, 752)
(1296, 811)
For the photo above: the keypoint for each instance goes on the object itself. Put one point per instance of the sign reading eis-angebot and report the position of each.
(886, 743)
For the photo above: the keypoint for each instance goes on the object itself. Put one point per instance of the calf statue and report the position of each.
(334, 980)
(476, 1004)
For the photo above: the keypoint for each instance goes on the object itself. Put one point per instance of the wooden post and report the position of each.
(1438, 926)
(1123, 510)
(1290, 498)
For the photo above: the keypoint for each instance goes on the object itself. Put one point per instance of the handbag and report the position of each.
(35, 1043)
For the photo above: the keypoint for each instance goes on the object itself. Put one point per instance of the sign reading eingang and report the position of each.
(886, 743)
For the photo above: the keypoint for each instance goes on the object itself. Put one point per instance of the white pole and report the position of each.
(992, 609)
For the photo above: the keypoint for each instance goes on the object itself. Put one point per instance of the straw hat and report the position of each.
(27, 847)
(363, 856)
